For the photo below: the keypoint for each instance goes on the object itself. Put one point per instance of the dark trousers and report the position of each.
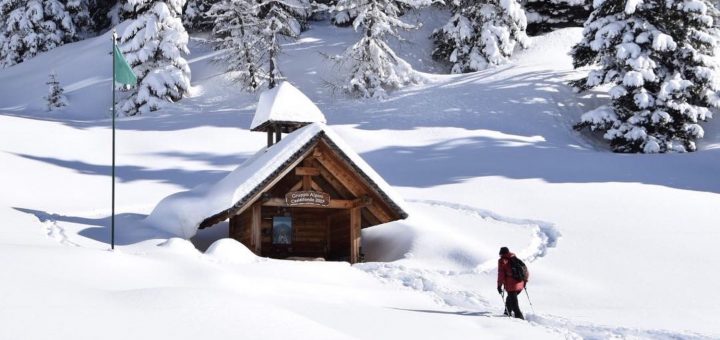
(512, 306)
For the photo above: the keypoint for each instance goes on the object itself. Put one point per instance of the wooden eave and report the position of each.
(385, 199)
(381, 208)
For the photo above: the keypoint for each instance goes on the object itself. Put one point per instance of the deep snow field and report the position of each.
(619, 246)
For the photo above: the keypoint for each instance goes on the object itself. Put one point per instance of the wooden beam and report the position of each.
(328, 239)
(370, 218)
(297, 186)
(315, 186)
(343, 175)
(307, 171)
(340, 174)
(334, 204)
(334, 183)
(255, 234)
(355, 235)
(306, 180)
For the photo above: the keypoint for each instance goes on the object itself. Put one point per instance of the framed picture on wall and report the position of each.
(282, 230)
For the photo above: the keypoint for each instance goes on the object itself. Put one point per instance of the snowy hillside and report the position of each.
(619, 245)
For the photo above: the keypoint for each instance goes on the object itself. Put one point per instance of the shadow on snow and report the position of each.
(128, 227)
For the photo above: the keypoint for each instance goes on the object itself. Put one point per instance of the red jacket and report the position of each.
(505, 275)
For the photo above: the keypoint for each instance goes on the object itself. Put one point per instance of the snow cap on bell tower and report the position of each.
(286, 109)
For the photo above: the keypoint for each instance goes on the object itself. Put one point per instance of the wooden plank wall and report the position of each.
(309, 233)
(339, 236)
(316, 233)
(240, 228)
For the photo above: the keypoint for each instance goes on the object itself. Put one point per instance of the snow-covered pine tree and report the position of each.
(235, 32)
(660, 57)
(80, 13)
(55, 98)
(278, 20)
(371, 66)
(196, 16)
(103, 14)
(133, 9)
(29, 27)
(546, 15)
(154, 45)
(480, 34)
(346, 17)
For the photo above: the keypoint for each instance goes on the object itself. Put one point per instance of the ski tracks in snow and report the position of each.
(53, 230)
(444, 289)
(545, 235)
(56, 232)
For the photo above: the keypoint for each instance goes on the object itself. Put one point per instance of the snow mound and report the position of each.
(285, 103)
(179, 245)
(230, 250)
(453, 237)
(544, 49)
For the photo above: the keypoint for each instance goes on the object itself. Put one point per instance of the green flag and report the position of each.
(123, 71)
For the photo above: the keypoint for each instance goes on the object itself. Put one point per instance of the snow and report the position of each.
(633, 79)
(180, 246)
(631, 6)
(230, 251)
(644, 100)
(285, 103)
(663, 42)
(484, 159)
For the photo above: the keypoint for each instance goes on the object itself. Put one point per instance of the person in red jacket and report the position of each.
(512, 286)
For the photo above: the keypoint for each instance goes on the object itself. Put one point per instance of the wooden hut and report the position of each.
(307, 195)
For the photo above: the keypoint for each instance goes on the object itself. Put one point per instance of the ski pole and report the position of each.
(528, 297)
(502, 296)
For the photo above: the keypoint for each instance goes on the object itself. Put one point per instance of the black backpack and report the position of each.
(518, 269)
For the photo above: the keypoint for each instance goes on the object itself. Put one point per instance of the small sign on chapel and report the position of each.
(302, 198)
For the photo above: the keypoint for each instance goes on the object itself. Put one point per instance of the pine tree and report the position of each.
(55, 98)
(546, 15)
(480, 34)
(371, 66)
(235, 33)
(659, 55)
(345, 17)
(102, 13)
(342, 18)
(134, 9)
(196, 15)
(278, 20)
(30, 27)
(79, 11)
(154, 45)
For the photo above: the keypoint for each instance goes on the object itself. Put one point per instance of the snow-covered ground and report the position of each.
(619, 246)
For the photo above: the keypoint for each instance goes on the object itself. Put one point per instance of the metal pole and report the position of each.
(112, 218)
(502, 296)
(528, 297)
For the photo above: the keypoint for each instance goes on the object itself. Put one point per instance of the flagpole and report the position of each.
(112, 219)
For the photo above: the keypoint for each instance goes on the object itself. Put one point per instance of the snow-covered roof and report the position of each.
(183, 213)
(285, 104)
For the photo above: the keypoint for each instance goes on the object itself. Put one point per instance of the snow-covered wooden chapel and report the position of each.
(306, 195)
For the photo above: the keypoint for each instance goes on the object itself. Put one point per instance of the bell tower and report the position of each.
(284, 109)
